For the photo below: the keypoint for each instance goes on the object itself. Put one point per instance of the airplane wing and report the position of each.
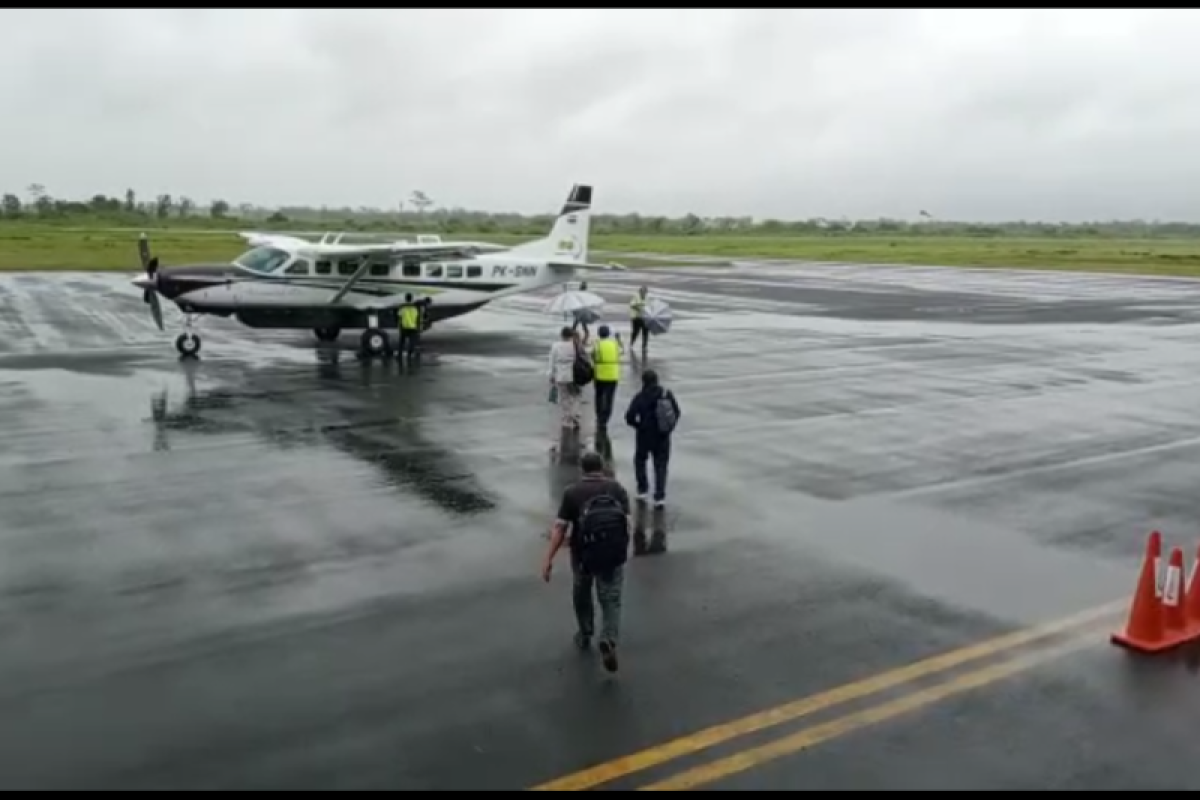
(443, 249)
(486, 247)
(256, 239)
(449, 249)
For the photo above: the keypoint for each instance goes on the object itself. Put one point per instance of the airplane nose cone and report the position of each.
(144, 283)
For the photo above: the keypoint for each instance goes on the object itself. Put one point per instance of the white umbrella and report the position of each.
(580, 305)
(657, 315)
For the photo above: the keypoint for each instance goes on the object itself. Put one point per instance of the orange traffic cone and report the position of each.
(1146, 630)
(1191, 605)
(1154, 546)
(1174, 599)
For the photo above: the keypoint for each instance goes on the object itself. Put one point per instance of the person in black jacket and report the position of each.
(653, 413)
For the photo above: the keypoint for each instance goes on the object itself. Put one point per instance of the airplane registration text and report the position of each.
(514, 271)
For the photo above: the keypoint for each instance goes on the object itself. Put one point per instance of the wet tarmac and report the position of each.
(281, 568)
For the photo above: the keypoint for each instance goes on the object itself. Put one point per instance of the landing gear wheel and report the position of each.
(375, 343)
(327, 334)
(188, 344)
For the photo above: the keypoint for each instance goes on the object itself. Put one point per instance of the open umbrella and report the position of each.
(582, 306)
(657, 315)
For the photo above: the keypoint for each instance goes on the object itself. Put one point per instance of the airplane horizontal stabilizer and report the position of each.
(571, 266)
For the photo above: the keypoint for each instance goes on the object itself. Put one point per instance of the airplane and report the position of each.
(332, 287)
(259, 239)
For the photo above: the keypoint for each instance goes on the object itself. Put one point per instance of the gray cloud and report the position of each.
(969, 114)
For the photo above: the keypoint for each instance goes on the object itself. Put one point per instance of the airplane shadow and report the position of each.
(372, 414)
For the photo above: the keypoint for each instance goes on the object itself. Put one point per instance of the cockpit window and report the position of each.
(263, 259)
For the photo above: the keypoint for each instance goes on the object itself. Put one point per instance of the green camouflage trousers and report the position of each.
(608, 590)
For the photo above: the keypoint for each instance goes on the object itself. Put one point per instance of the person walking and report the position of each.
(567, 359)
(594, 520)
(653, 413)
(606, 358)
(581, 320)
(637, 319)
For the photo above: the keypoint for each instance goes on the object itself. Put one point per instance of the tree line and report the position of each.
(421, 213)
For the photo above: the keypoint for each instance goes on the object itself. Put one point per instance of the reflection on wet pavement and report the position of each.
(295, 565)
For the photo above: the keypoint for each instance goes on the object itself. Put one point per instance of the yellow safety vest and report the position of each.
(608, 367)
(409, 318)
(636, 305)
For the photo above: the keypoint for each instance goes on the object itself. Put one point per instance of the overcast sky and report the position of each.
(790, 114)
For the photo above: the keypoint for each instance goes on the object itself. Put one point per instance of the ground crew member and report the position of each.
(637, 319)
(606, 356)
(410, 326)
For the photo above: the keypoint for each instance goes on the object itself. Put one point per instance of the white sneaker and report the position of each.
(643, 496)
(660, 503)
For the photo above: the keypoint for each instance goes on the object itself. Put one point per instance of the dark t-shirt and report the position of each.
(576, 495)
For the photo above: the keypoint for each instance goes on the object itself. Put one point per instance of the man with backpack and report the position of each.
(596, 512)
(653, 413)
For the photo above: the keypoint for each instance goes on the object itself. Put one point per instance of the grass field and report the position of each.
(34, 247)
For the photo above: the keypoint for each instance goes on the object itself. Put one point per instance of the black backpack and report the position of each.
(582, 369)
(602, 535)
(664, 413)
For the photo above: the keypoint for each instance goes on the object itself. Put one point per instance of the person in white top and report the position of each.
(561, 374)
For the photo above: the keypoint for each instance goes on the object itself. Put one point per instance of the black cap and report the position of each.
(591, 462)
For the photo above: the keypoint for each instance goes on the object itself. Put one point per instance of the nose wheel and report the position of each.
(188, 343)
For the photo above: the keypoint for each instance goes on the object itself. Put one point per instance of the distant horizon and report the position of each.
(407, 209)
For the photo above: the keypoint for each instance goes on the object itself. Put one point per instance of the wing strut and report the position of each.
(363, 264)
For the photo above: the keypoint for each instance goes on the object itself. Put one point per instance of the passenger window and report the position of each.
(412, 268)
(347, 267)
(474, 271)
(380, 269)
(433, 270)
(454, 271)
(298, 267)
(324, 268)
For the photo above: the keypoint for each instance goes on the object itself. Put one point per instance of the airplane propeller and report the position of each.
(150, 265)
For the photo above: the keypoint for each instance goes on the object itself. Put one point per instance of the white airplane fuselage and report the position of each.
(286, 299)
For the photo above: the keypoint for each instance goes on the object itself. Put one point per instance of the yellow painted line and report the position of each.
(812, 736)
(724, 732)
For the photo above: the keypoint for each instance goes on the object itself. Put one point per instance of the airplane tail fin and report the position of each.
(568, 239)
